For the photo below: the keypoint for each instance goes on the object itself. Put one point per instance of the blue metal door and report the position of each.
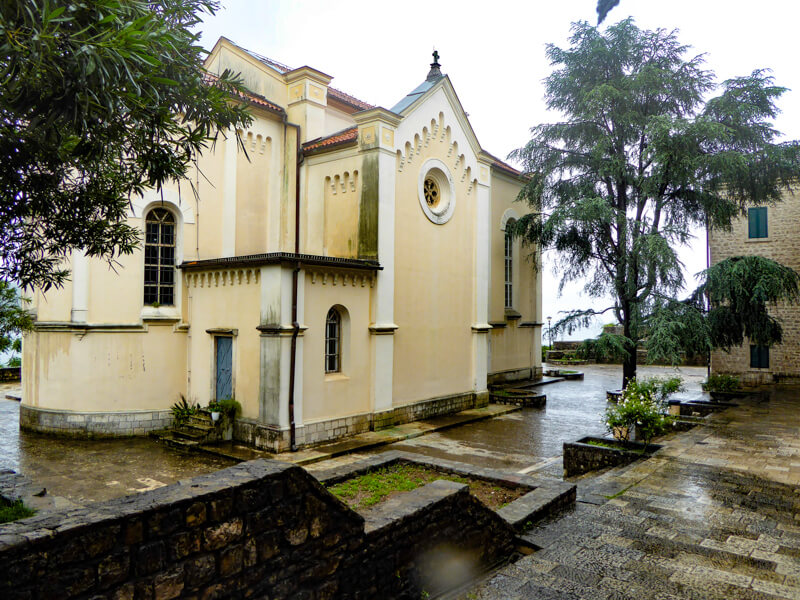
(224, 370)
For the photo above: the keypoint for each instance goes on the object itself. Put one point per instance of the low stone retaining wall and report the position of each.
(581, 457)
(545, 498)
(526, 399)
(257, 529)
(92, 424)
(703, 409)
(514, 375)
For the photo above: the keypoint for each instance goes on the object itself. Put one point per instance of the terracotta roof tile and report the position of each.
(332, 92)
(256, 99)
(502, 166)
(341, 137)
(348, 99)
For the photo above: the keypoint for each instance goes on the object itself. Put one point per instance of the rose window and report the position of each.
(431, 190)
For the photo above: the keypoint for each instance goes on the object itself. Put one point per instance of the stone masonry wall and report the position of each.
(277, 440)
(258, 529)
(93, 424)
(782, 246)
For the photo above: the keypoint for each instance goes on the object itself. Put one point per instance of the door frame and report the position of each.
(217, 333)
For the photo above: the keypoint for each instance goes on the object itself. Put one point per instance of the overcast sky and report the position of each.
(494, 54)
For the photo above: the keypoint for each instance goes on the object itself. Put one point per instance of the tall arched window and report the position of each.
(509, 265)
(159, 257)
(333, 342)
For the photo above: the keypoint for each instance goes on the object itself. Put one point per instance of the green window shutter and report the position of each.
(759, 357)
(757, 222)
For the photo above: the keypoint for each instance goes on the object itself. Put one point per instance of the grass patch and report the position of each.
(563, 372)
(615, 446)
(13, 511)
(622, 491)
(375, 487)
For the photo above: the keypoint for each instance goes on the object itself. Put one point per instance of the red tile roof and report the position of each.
(251, 97)
(336, 139)
(332, 92)
(348, 99)
(502, 166)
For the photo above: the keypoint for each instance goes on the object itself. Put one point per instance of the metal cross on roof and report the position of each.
(434, 73)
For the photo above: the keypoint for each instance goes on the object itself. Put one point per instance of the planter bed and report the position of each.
(531, 499)
(702, 408)
(564, 374)
(735, 394)
(613, 396)
(582, 456)
(525, 398)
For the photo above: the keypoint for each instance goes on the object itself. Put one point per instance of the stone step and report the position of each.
(188, 434)
(178, 443)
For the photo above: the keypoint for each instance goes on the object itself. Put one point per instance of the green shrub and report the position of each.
(13, 511)
(227, 406)
(640, 408)
(182, 410)
(721, 383)
(545, 349)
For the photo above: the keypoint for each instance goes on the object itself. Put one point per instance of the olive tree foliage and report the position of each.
(640, 158)
(99, 99)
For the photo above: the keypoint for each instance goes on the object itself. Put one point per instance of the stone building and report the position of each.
(348, 272)
(771, 232)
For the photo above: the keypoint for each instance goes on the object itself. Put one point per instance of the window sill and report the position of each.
(166, 313)
(512, 315)
(336, 377)
(757, 240)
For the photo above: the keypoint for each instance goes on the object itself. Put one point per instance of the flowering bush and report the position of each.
(641, 407)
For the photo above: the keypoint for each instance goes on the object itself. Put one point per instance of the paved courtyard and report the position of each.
(715, 515)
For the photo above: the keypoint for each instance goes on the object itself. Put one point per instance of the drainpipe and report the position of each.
(295, 275)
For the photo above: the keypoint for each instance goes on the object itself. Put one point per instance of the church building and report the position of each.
(344, 268)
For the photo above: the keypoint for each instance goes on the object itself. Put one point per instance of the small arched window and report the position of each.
(509, 264)
(333, 342)
(159, 257)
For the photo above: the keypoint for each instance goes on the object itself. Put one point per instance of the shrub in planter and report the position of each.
(641, 407)
(229, 407)
(182, 410)
(721, 383)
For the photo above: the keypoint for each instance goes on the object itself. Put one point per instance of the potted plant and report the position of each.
(640, 411)
(215, 410)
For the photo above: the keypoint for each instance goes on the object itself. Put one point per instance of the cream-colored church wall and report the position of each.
(512, 347)
(209, 180)
(105, 371)
(336, 120)
(53, 305)
(254, 171)
(434, 271)
(257, 76)
(334, 395)
(220, 302)
(324, 212)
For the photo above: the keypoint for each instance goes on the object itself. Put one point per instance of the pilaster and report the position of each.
(308, 97)
(480, 326)
(376, 129)
(80, 287)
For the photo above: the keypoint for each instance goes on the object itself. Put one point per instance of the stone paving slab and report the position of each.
(714, 515)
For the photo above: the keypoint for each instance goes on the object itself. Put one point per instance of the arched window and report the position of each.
(159, 257)
(333, 342)
(509, 264)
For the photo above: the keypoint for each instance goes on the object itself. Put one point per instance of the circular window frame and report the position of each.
(436, 170)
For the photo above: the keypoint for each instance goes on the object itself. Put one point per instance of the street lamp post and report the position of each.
(550, 332)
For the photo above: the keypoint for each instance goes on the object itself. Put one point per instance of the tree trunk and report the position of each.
(629, 361)
(629, 366)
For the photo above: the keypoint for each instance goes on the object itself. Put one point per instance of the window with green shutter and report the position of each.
(759, 357)
(757, 222)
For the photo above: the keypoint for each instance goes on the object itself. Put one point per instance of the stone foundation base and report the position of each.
(275, 439)
(92, 424)
(514, 375)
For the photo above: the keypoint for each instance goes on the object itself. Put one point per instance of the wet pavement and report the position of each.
(714, 515)
(84, 471)
(531, 440)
